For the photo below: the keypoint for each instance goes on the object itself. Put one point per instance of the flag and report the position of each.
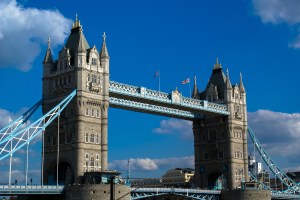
(156, 74)
(185, 81)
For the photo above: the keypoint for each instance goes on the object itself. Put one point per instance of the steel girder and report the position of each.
(17, 139)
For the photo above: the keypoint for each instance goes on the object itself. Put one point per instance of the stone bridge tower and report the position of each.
(83, 124)
(221, 154)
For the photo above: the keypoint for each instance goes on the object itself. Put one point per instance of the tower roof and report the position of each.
(104, 52)
(48, 57)
(76, 41)
(195, 94)
(218, 79)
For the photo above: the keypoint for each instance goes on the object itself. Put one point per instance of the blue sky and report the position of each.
(259, 38)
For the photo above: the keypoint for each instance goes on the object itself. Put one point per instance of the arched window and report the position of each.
(97, 139)
(86, 137)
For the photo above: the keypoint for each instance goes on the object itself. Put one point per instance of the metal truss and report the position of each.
(15, 125)
(140, 193)
(287, 181)
(150, 108)
(17, 139)
(174, 100)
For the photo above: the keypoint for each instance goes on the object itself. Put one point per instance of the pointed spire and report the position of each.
(48, 57)
(217, 65)
(104, 52)
(195, 94)
(242, 88)
(228, 83)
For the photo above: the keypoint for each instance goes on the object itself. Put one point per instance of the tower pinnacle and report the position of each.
(242, 88)
(104, 52)
(195, 94)
(228, 83)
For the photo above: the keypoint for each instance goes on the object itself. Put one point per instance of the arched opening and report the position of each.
(64, 173)
(217, 181)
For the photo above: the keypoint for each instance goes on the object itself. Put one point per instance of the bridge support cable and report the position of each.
(21, 137)
(16, 124)
(57, 158)
(287, 181)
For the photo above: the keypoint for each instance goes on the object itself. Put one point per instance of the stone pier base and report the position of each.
(245, 195)
(96, 191)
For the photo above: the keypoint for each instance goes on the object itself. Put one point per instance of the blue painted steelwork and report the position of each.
(30, 189)
(287, 181)
(150, 108)
(16, 124)
(276, 194)
(18, 139)
(174, 104)
(140, 193)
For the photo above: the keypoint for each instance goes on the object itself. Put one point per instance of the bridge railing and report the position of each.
(175, 190)
(31, 189)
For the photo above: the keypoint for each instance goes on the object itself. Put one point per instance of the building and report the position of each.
(82, 127)
(255, 168)
(220, 142)
(146, 182)
(178, 177)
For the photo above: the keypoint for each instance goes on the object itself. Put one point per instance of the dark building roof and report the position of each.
(218, 79)
(76, 41)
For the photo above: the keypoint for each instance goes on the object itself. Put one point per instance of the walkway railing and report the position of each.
(30, 189)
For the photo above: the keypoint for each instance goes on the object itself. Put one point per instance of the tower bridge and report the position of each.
(77, 93)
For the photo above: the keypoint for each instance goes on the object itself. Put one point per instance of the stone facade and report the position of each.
(220, 143)
(83, 124)
(103, 192)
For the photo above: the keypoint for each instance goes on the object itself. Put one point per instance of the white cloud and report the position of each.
(278, 132)
(171, 126)
(24, 30)
(147, 164)
(279, 12)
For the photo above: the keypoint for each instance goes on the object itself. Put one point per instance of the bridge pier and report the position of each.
(96, 191)
(245, 194)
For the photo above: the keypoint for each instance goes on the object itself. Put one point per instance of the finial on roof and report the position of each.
(217, 65)
(227, 72)
(49, 43)
(104, 36)
(76, 24)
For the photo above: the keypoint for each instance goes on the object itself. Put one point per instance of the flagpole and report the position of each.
(190, 88)
(158, 80)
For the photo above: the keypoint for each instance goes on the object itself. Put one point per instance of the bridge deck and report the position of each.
(155, 102)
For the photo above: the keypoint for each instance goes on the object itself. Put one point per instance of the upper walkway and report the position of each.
(174, 105)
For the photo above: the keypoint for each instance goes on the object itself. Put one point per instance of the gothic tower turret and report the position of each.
(82, 127)
(221, 141)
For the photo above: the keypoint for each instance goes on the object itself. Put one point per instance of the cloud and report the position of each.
(147, 164)
(24, 30)
(279, 12)
(172, 126)
(278, 132)
(19, 175)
